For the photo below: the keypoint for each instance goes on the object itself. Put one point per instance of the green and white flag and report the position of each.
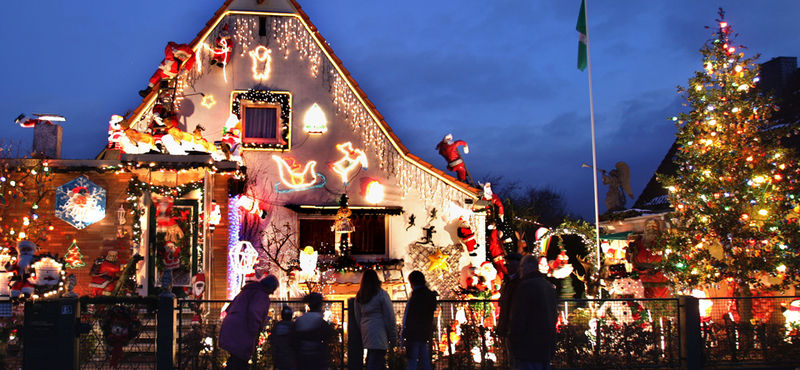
(583, 41)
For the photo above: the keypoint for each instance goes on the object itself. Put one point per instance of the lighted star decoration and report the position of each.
(438, 261)
(208, 101)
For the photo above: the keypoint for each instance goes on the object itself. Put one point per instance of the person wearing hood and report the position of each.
(245, 319)
(311, 336)
(418, 322)
(280, 340)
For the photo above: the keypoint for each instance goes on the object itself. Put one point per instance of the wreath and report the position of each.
(120, 325)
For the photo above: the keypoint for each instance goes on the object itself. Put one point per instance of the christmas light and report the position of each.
(261, 62)
(292, 177)
(315, 121)
(374, 192)
(208, 100)
(350, 160)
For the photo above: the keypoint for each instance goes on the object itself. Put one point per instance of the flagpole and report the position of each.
(594, 143)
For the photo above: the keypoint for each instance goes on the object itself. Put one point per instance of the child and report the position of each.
(282, 354)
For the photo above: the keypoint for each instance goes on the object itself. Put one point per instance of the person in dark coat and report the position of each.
(510, 284)
(311, 336)
(279, 340)
(532, 325)
(244, 319)
(376, 320)
(418, 322)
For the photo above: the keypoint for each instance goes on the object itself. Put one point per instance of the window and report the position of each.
(368, 239)
(261, 123)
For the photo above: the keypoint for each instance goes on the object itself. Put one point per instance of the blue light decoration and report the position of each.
(80, 202)
(234, 224)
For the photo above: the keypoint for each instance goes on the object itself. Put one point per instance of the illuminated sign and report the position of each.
(352, 157)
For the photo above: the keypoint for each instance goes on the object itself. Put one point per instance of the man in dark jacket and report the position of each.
(311, 336)
(510, 284)
(418, 322)
(532, 326)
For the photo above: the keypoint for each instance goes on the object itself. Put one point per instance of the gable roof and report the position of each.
(226, 9)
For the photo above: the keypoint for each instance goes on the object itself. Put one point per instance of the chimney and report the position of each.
(47, 140)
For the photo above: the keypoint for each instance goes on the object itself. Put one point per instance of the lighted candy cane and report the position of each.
(243, 258)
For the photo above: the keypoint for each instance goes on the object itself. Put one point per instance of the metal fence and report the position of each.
(198, 331)
(750, 330)
(96, 346)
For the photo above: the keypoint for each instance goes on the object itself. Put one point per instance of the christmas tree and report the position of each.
(735, 192)
(74, 258)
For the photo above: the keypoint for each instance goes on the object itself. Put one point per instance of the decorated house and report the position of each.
(255, 151)
(329, 189)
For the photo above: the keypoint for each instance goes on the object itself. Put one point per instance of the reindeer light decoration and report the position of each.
(352, 157)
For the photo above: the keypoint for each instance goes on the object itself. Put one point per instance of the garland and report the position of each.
(262, 96)
(350, 264)
(137, 188)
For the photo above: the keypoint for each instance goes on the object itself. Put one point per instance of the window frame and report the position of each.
(278, 139)
(386, 236)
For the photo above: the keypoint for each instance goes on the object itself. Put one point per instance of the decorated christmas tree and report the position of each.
(735, 192)
(73, 257)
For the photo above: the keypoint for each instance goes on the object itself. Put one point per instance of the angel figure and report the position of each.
(619, 184)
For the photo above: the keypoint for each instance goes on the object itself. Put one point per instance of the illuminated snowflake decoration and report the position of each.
(80, 202)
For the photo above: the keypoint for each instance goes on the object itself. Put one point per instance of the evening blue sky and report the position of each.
(500, 75)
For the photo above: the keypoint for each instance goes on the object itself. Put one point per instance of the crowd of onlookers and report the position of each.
(526, 323)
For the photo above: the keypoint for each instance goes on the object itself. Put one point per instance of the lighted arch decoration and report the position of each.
(293, 178)
(579, 228)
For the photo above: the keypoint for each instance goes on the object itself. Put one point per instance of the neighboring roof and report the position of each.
(654, 195)
(220, 14)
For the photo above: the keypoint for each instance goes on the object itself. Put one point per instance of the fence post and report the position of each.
(166, 321)
(355, 352)
(691, 343)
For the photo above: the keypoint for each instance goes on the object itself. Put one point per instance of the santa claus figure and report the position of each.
(198, 287)
(467, 237)
(177, 57)
(449, 150)
(495, 252)
(105, 272)
(172, 256)
(496, 209)
(222, 48)
(20, 283)
(644, 260)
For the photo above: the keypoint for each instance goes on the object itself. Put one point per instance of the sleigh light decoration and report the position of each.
(80, 202)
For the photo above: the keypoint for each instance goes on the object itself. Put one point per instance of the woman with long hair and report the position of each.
(375, 319)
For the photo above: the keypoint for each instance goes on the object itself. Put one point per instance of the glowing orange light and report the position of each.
(374, 192)
(723, 24)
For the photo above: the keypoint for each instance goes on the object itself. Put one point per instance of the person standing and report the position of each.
(418, 322)
(532, 325)
(376, 320)
(280, 340)
(510, 284)
(245, 318)
(311, 336)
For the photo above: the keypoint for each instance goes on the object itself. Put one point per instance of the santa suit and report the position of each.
(449, 150)
(222, 48)
(176, 57)
(655, 283)
(172, 256)
(496, 202)
(105, 275)
(467, 238)
(20, 282)
(495, 253)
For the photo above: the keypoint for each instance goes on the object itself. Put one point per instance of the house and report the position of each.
(261, 90)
